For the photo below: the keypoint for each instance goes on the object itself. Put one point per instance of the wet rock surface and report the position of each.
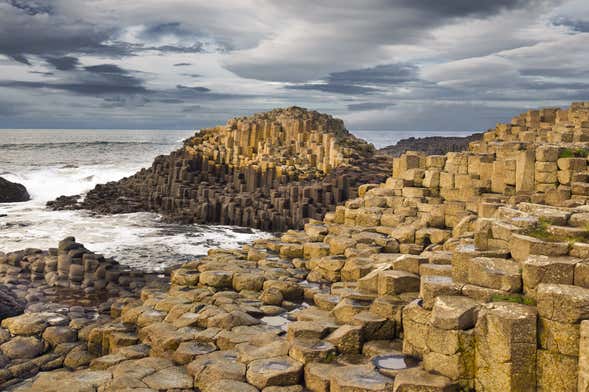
(11, 192)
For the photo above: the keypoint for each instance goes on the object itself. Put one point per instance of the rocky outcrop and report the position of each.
(464, 271)
(11, 192)
(270, 171)
(431, 145)
(10, 305)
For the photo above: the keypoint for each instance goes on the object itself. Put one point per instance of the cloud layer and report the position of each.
(380, 64)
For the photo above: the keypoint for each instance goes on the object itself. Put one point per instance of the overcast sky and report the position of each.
(451, 65)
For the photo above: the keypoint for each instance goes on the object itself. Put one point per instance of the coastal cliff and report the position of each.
(270, 171)
(463, 271)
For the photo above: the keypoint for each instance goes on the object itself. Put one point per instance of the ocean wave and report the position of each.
(49, 183)
(77, 144)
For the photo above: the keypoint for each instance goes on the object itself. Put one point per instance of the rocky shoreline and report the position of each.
(462, 271)
(431, 145)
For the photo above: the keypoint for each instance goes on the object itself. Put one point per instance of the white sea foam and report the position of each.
(141, 240)
(44, 184)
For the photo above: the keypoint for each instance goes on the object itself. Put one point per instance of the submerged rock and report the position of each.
(11, 192)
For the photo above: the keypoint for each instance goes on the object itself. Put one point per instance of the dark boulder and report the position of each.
(10, 306)
(11, 192)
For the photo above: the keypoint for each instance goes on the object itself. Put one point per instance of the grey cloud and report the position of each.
(462, 8)
(42, 73)
(182, 64)
(82, 88)
(193, 90)
(106, 69)
(334, 88)
(194, 48)
(32, 7)
(581, 26)
(369, 106)
(102, 79)
(162, 29)
(24, 33)
(19, 58)
(351, 34)
(65, 63)
(382, 74)
(363, 81)
(190, 109)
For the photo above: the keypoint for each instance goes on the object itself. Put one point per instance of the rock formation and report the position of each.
(269, 171)
(463, 271)
(11, 192)
(431, 145)
(10, 305)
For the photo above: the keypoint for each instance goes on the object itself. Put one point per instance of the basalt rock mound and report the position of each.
(269, 171)
(11, 192)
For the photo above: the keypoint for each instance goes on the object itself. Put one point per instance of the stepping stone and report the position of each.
(345, 311)
(397, 282)
(58, 335)
(522, 247)
(85, 380)
(217, 279)
(347, 338)
(21, 347)
(229, 386)
(359, 378)
(392, 363)
(538, 269)
(187, 351)
(454, 312)
(495, 273)
(505, 335)
(563, 303)
(306, 351)
(309, 330)
(169, 378)
(26, 324)
(248, 352)
(317, 376)
(106, 361)
(416, 379)
(374, 326)
(433, 286)
(326, 301)
(219, 365)
(279, 371)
